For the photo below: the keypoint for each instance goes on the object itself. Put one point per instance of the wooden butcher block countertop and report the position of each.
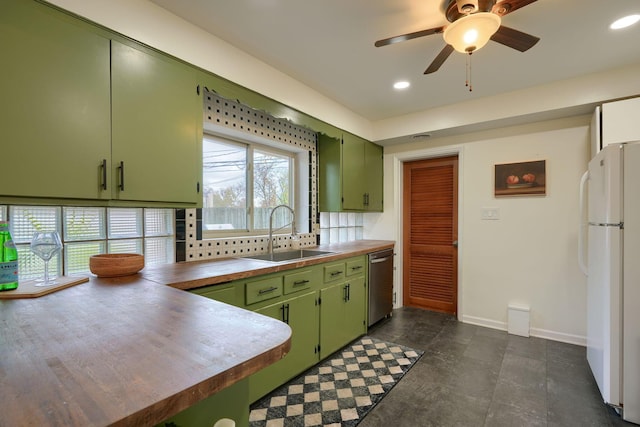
(124, 352)
(190, 275)
(131, 351)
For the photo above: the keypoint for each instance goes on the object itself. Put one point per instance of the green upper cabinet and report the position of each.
(55, 114)
(350, 174)
(79, 105)
(156, 106)
(354, 180)
(374, 167)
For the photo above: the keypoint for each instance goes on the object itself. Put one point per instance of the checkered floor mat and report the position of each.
(340, 390)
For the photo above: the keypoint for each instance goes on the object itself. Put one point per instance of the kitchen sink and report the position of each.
(289, 255)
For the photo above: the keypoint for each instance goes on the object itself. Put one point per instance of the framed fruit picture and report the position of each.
(521, 179)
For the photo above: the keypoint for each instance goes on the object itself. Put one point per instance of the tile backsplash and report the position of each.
(338, 227)
(190, 245)
(230, 116)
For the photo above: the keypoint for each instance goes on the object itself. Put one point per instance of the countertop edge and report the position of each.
(172, 405)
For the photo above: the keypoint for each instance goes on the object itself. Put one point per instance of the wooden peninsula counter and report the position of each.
(137, 350)
(124, 352)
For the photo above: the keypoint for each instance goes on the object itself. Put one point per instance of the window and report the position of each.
(87, 231)
(243, 182)
(225, 185)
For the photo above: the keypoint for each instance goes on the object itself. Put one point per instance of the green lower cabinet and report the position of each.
(356, 308)
(342, 314)
(301, 314)
(231, 402)
(332, 311)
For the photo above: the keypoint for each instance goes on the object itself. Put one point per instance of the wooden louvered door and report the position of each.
(430, 230)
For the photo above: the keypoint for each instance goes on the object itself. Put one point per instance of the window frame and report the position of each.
(265, 146)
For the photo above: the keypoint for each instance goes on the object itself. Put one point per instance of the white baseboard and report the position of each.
(487, 323)
(534, 332)
(559, 336)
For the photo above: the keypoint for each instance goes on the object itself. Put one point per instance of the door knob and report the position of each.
(455, 243)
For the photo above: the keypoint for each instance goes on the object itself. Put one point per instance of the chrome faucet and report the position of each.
(271, 230)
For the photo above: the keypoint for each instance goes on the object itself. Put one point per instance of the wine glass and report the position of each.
(45, 246)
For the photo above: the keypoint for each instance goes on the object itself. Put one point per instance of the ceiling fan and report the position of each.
(473, 24)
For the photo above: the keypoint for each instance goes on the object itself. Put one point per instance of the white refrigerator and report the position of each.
(612, 187)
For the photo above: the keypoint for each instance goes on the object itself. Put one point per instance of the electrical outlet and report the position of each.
(490, 213)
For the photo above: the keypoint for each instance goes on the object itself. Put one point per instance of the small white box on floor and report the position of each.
(518, 320)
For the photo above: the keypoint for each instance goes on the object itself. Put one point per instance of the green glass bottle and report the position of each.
(8, 259)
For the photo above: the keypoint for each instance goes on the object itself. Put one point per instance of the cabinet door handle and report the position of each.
(347, 292)
(104, 174)
(357, 267)
(121, 169)
(285, 313)
(300, 282)
(335, 273)
(268, 290)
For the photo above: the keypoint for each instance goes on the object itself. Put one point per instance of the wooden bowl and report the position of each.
(114, 265)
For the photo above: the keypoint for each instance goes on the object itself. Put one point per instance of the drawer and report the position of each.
(226, 294)
(355, 266)
(264, 289)
(334, 272)
(297, 281)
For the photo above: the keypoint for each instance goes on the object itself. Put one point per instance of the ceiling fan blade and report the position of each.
(507, 6)
(409, 36)
(437, 63)
(514, 38)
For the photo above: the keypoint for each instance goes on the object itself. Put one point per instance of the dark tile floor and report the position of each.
(475, 376)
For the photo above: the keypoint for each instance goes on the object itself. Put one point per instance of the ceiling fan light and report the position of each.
(459, 34)
(470, 36)
(625, 22)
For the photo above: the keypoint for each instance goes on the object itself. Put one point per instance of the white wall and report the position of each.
(529, 255)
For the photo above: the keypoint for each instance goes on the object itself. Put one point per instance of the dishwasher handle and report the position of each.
(377, 260)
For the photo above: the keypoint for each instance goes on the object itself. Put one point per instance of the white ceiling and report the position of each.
(328, 45)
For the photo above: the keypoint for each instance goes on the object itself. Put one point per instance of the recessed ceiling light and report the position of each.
(625, 22)
(401, 85)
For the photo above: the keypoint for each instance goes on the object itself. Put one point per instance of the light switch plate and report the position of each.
(490, 213)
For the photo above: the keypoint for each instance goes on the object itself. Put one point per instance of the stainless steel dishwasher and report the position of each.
(380, 285)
